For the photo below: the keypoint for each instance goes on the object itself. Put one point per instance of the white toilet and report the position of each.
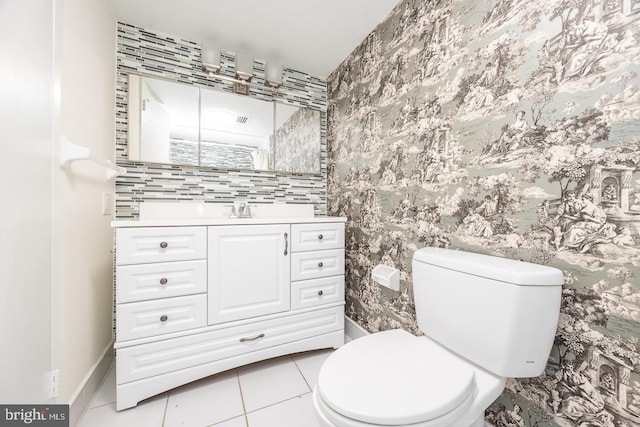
(484, 318)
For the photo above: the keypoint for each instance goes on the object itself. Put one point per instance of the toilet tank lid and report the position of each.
(491, 267)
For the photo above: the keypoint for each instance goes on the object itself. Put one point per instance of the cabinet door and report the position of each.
(249, 271)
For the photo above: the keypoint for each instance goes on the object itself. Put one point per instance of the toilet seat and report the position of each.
(394, 378)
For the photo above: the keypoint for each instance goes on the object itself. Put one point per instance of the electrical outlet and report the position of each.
(107, 203)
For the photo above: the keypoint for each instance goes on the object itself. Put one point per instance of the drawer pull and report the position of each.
(320, 292)
(163, 281)
(320, 264)
(163, 245)
(164, 318)
(252, 339)
(286, 243)
(320, 237)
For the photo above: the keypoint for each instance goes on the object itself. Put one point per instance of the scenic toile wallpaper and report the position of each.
(507, 127)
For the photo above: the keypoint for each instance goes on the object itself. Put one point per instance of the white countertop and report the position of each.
(184, 222)
(182, 214)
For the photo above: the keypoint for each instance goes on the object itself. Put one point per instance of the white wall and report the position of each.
(26, 105)
(57, 79)
(82, 237)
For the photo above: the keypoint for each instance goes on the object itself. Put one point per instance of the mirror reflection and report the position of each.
(235, 131)
(297, 139)
(180, 124)
(168, 117)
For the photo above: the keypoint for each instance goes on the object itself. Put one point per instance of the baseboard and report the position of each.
(90, 385)
(352, 330)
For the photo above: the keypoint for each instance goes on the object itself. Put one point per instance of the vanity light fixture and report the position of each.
(244, 70)
(210, 59)
(244, 67)
(274, 74)
(244, 73)
(210, 69)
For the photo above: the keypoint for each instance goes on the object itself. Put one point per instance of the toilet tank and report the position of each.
(499, 313)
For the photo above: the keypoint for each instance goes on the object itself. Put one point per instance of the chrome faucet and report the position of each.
(244, 211)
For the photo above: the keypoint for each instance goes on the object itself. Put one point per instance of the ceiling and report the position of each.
(313, 36)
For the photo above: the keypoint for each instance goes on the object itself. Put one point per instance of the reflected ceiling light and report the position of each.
(210, 58)
(219, 117)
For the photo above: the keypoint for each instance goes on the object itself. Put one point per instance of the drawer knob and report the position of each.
(163, 281)
(320, 264)
(163, 318)
(163, 245)
(320, 237)
(320, 292)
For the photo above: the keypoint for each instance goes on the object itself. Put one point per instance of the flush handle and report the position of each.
(164, 318)
(163, 245)
(163, 281)
(257, 337)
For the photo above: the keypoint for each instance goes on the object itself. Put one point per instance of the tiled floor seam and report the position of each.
(244, 407)
(303, 377)
(277, 403)
(227, 420)
(166, 407)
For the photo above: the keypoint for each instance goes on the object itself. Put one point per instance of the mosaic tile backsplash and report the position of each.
(147, 52)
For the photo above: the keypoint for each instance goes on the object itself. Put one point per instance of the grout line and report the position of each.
(166, 407)
(299, 370)
(244, 407)
(277, 403)
(228, 419)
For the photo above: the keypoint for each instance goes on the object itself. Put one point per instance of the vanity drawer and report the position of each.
(160, 244)
(156, 317)
(148, 360)
(142, 282)
(310, 293)
(313, 237)
(312, 265)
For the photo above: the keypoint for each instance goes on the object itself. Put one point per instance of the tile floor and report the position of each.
(272, 393)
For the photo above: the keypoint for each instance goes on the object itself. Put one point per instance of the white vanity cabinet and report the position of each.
(248, 271)
(192, 301)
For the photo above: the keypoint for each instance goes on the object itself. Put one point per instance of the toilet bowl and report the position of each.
(393, 378)
(484, 319)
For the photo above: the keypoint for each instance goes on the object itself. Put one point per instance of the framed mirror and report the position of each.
(176, 123)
